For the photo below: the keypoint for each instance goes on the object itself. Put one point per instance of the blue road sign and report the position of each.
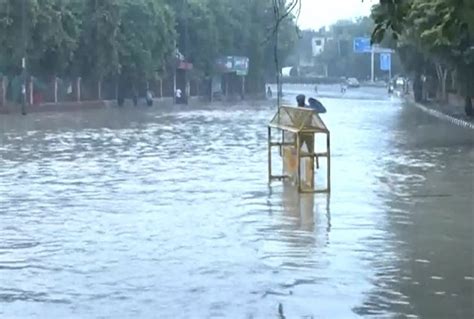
(362, 45)
(385, 61)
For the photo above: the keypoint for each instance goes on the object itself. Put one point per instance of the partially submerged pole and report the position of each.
(23, 60)
(281, 11)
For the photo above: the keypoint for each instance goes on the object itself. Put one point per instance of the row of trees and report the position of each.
(434, 37)
(137, 39)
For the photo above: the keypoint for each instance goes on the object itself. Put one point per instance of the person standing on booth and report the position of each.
(301, 100)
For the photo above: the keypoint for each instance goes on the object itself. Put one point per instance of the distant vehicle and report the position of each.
(400, 81)
(353, 83)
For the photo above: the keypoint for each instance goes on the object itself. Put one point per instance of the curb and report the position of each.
(443, 116)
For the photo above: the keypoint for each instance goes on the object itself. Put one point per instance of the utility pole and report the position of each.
(186, 53)
(390, 69)
(23, 60)
(372, 65)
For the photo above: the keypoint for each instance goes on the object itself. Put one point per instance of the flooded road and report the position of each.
(168, 214)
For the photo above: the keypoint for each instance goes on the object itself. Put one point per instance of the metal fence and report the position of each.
(45, 90)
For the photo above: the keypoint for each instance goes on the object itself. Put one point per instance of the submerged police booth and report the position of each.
(296, 131)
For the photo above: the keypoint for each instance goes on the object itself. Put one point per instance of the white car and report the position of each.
(353, 83)
(400, 81)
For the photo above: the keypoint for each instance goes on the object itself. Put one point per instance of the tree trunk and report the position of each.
(78, 89)
(31, 90)
(418, 88)
(161, 88)
(55, 89)
(3, 91)
(468, 106)
(453, 79)
(444, 96)
(442, 74)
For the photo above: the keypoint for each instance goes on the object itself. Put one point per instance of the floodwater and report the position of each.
(166, 213)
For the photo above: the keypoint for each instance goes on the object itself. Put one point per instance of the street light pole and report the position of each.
(372, 65)
(23, 60)
(186, 54)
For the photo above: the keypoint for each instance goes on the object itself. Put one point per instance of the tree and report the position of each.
(145, 37)
(97, 55)
(51, 35)
(441, 30)
(98, 39)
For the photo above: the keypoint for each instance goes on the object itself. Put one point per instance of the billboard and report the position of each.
(241, 65)
(318, 45)
(385, 61)
(230, 64)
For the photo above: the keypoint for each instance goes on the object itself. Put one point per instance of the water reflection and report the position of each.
(426, 271)
(306, 210)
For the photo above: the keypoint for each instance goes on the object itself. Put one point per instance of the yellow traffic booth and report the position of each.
(297, 129)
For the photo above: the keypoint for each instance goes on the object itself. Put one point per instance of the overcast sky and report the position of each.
(318, 13)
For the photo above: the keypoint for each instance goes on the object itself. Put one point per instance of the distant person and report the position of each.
(301, 100)
(149, 97)
(316, 105)
(468, 106)
(418, 89)
(135, 97)
(178, 95)
(390, 87)
(405, 87)
(269, 92)
(120, 97)
(316, 89)
(120, 100)
(343, 88)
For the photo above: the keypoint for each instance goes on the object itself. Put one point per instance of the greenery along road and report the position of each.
(97, 39)
(435, 37)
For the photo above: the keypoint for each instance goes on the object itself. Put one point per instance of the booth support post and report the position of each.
(298, 157)
(269, 154)
(328, 145)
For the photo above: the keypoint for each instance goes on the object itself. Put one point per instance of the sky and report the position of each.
(318, 13)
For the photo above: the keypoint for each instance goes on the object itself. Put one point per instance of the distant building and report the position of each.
(318, 44)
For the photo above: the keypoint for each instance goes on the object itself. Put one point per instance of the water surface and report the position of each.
(166, 213)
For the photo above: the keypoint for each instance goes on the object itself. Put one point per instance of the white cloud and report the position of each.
(318, 13)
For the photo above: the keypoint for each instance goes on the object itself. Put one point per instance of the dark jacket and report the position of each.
(316, 106)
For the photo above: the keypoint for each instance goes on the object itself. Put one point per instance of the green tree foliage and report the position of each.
(147, 37)
(436, 33)
(233, 27)
(137, 38)
(55, 32)
(97, 55)
(11, 33)
(52, 28)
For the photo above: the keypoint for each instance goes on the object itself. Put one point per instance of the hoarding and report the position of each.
(385, 61)
(230, 64)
